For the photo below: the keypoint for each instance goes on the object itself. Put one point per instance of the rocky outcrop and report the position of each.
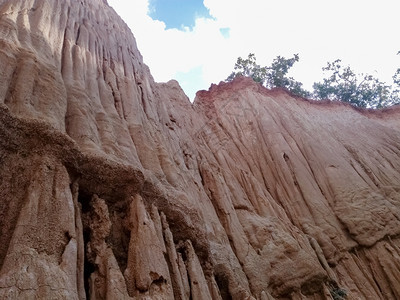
(117, 187)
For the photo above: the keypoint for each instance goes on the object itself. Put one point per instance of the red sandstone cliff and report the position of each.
(116, 187)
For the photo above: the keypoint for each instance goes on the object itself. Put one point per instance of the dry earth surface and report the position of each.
(116, 187)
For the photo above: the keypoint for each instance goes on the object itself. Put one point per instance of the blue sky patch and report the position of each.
(189, 81)
(178, 13)
(225, 32)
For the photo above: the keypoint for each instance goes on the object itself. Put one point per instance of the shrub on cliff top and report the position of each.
(270, 77)
(341, 83)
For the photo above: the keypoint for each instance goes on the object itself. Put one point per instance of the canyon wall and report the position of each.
(114, 186)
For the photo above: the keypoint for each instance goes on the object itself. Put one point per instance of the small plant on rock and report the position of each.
(338, 293)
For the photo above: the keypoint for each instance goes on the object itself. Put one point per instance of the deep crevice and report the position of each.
(78, 35)
(120, 234)
(84, 199)
(88, 267)
(223, 285)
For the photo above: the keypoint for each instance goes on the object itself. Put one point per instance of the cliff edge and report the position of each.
(114, 186)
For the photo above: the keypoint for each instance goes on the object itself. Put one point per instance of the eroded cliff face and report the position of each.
(117, 187)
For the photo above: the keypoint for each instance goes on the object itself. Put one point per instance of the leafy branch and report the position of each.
(341, 83)
(273, 76)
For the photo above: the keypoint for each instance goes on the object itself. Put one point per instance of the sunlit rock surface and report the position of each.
(116, 187)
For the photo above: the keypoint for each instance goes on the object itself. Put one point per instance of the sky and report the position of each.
(197, 42)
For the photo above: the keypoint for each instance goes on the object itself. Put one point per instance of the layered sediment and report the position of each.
(114, 186)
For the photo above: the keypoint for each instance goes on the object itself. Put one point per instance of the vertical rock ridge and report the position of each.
(116, 187)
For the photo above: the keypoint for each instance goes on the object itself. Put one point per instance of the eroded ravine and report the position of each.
(117, 187)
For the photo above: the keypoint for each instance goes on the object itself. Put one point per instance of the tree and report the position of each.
(273, 76)
(342, 83)
(362, 90)
(248, 68)
(396, 89)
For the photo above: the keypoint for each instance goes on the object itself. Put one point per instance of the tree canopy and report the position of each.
(341, 83)
(270, 77)
(362, 90)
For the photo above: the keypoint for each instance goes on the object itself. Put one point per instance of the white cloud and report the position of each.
(362, 33)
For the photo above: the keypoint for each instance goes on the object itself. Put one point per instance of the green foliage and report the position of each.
(341, 83)
(396, 78)
(249, 68)
(361, 90)
(273, 76)
(338, 293)
(396, 81)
